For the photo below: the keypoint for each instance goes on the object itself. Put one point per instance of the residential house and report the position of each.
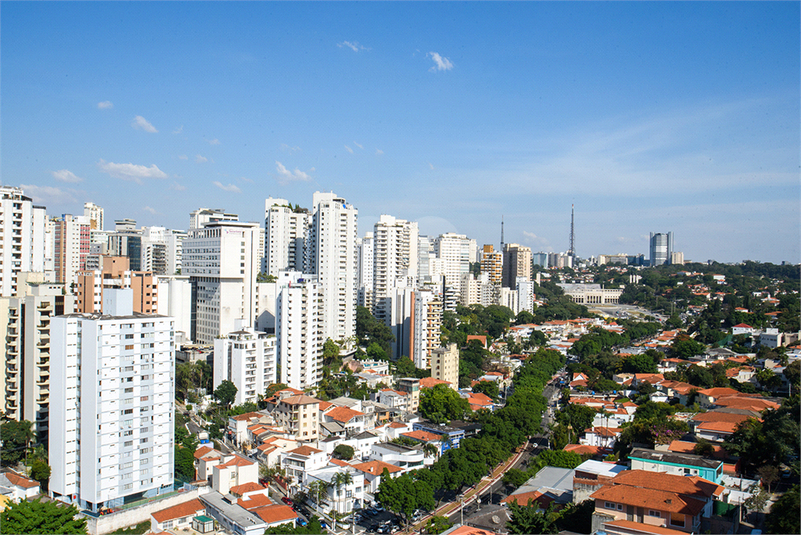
(590, 476)
(231, 516)
(232, 471)
(299, 462)
(17, 487)
(404, 457)
(206, 458)
(176, 517)
(300, 415)
(351, 420)
(603, 437)
(373, 470)
(680, 464)
(343, 498)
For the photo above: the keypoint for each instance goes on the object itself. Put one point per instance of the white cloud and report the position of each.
(246, 179)
(66, 176)
(431, 165)
(286, 148)
(150, 210)
(379, 151)
(105, 105)
(177, 187)
(355, 46)
(539, 241)
(178, 130)
(214, 141)
(129, 171)
(230, 187)
(360, 146)
(201, 159)
(286, 176)
(183, 157)
(140, 123)
(350, 150)
(441, 63)
(49, 195)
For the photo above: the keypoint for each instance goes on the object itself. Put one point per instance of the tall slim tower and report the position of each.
(572, 251)
(501, 233)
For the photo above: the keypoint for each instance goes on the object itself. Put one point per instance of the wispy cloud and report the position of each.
(66, 176)
(49, 195)
(178, 130)
(431, 165)
(214, 141)
(441, 63)
(229, 188)
(183, 157)
(177, 187)
(105, 105)
(129, 171)
(140, 123)
(353, 45)
(350, 150)
(201, 159)
(538, 241)
(286, 176)
(246, 179)
(286, 148)
(379, 151)
(360, 146)
(150, 210)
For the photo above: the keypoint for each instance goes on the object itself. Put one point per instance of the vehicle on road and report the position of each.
(286, 500)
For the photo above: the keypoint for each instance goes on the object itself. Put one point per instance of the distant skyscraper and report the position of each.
(284, 236)
(70, 247)
(365, 269)
(331, 255)
(661, 248)
(298, 330)
(247, 358)
(454, 251)
(492, 264)
(22, 229)
(395, 244)
(516, 263)
(111, 405)
(94, 214)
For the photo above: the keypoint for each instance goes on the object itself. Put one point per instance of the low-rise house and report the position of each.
(17, 487)
(551, 484)
(362, 444)
(351, 420)
(341, 497)
(653, 500)
(425, 437)
(404, 457)
(717, 425)
(603, 437)
(276, 515)
(300, 461)
(706, 398)
(590, 476)
(394, 399)
(373, 470)
(479, 401)
(176, 517)
(455, 434)
(232, 471)
(238, 425)
(680, 464)
(231, 516)
(206, 459)
(742, 328)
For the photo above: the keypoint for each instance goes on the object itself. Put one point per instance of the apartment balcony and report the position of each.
(12, 387)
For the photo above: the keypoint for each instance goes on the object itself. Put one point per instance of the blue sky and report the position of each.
(667, 116)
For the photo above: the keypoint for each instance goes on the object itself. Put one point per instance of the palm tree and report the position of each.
(430, 449)
(341, 479)
(317, 488)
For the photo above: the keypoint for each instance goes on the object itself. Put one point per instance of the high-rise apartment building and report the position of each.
(427, 324)
(94, 214)
(492, 264)
(364, 297)
(70, 247)
(115, 272)
(298, 329)
(285, 231)
(202, 216)
(395, 244)
(454, 251)
(23, 233)
(25, 328)
(516, 263)
(111, 405)
(445, 365)
(331, 255)
(222, 260)
(247, 358)
(661, 247)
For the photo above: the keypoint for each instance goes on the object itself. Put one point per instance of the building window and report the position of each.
(676, 520)
(655, 514)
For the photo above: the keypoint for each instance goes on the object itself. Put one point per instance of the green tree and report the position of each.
(184, 463)
(37, 516)
(344, 452)
(515, 477)
(376, 352)
(40, 471)
(438, 524)
(16, 436)
(441, 404)
(489, 388)
(226, 392)
(404, 494)
(785, 513)
(527, 519)
(684, 348)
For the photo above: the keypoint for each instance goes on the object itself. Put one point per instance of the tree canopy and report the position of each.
(226, 392)
(17, 436)
(37, 516)
(442, 404)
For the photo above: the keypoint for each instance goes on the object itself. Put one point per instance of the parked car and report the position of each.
(302, 522)
(286, 500)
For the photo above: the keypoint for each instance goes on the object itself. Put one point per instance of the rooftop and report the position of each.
(673, 457)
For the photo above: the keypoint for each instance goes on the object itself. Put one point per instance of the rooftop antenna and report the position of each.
(572, 251)
(501, 233)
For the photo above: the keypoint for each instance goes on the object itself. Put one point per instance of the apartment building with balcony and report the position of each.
(285, 232)
(116, 273)
(25, 327)
(22, 237)
(395, 244)
(445, 365)
(298, 329)
(427, 325)
(111, 411)
(247, 358)
(300, 416)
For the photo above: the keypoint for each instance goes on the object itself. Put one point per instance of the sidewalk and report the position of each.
(471, 494)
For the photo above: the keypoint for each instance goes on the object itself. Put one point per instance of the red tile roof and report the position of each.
(300, 400)
(430, 382)
(628, 525)
(20, 481)
(305, 450)
(253, 501)
(273, 514)
(343, 414)
(718, 392)
(241, 490)
(236, 461)
(543, 500)
(182, 510)
(397, 425)
(247, 416)
(583, 449)
(425, 436)
(659, 500)
(376, 468)
(685, 485)
(200, 452)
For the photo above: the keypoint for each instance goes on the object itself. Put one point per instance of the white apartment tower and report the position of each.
(111, 413)
(298, 328)
(395, 244)
(331, 255)
(222, 260)
(22, 229)
(427, 325)
(284, 236)
(71, 238)
(364, 297)
(200, 217)
(516, 264)
(94, 214)
(454, 251)
(247, 358)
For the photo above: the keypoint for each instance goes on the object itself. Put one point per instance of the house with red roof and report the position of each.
(352, 420)
(742, 328)
(602, 437)
(373, 471)
(276, 515)
(206, 458)
(176, 517)
(17, 487)
(234, 470)
(430, 382)
(300, 461)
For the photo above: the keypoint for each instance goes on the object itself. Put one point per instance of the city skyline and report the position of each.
(648, 117)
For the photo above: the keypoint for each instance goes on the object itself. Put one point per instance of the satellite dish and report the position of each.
(495, 519)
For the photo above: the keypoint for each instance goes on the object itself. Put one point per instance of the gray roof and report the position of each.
(550, 477)
(236, 513)
(673, 457)
(365, 435)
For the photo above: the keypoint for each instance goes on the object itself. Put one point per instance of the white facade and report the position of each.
(284, 236)
(298, 328)
(95, 215)
(222, 260)
(175, 251)
(247, 358)
(22, 228)
(395, 244)
(525, 295)
(175, 300)
(111, 411)
(427, 327)
(365, 269)
(454, 250)
(331, 255)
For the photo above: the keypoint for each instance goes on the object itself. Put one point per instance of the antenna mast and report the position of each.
(501, 233)
(572, 251)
